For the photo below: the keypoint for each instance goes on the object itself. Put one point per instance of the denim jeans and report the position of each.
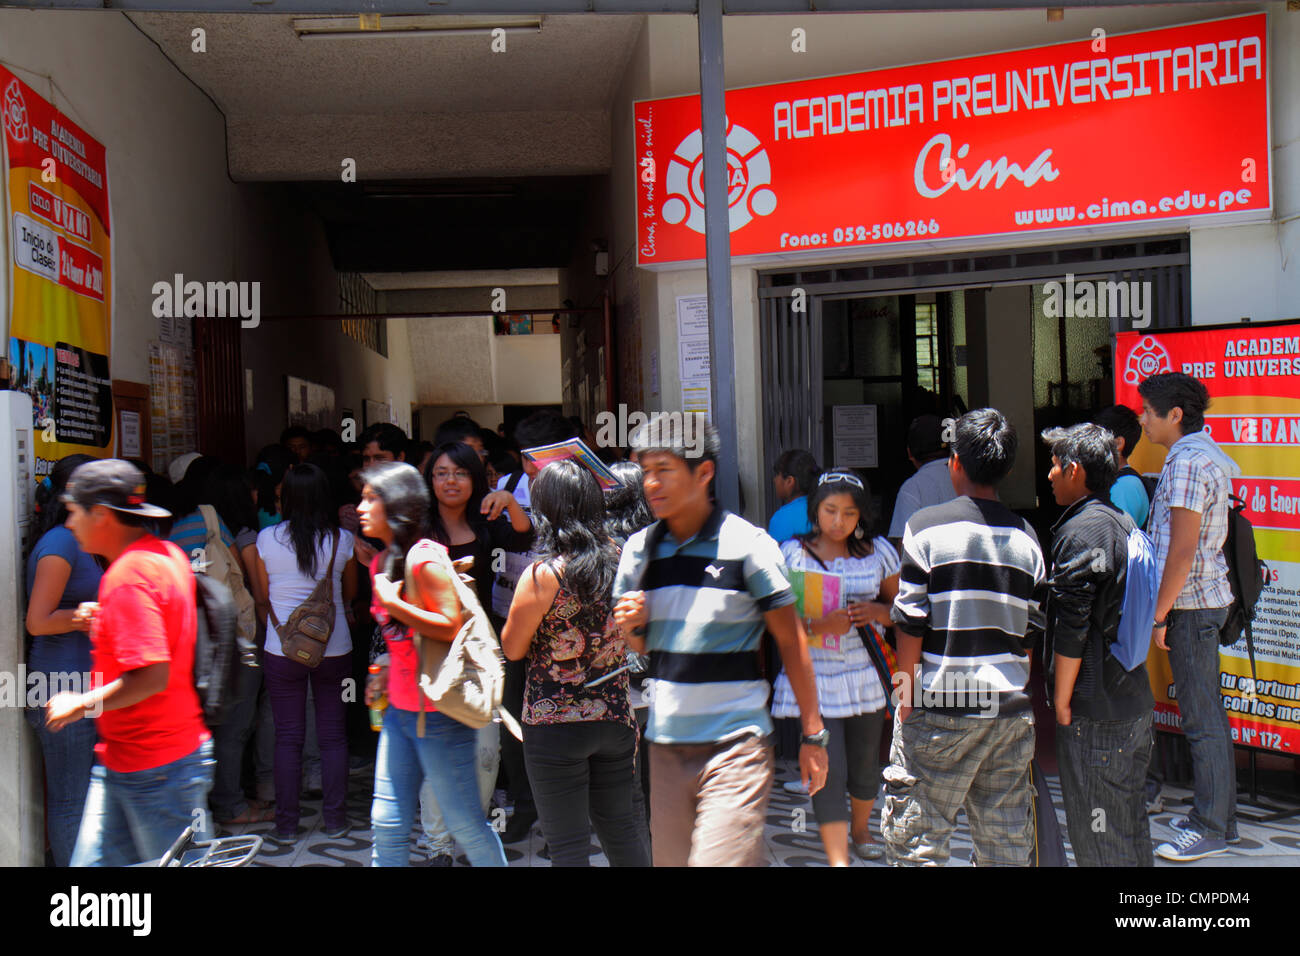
(69, 755)
(287, 682)
(229, 739)
(1193, 640)
(582, 774)
(445, 756)
(134, 817)
(1103, 774)
(487, 761)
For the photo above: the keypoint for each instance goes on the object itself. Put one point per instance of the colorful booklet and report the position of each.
(574, 448)
(817, 593)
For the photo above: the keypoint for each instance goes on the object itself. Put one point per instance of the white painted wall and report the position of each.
(526, 370)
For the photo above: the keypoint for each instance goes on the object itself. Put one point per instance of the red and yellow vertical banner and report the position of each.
(57, 188)
(1253, 375)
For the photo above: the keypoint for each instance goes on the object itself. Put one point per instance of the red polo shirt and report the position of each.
(147, 615)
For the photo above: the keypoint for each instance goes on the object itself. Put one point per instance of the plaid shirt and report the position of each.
(1192, 480)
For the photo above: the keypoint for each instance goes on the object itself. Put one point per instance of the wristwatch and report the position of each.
(819, 739)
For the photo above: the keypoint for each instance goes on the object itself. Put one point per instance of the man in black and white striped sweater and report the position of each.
(969, 610)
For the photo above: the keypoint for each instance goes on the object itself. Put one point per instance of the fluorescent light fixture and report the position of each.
(373, 25)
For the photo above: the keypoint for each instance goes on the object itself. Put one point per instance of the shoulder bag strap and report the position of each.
(329, 572)
(807, 550)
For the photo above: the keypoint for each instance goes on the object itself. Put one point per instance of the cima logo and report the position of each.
(749, 176)
(1145, 359)
(16, 113)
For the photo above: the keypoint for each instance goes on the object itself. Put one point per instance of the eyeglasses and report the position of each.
(840, 476)
(459, 475)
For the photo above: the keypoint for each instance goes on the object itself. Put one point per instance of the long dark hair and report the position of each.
(229, 491)
(626, 510)
(308, 509)
(50, 509)
(462, 456)
(569, 511)
(407, 502)
(858, 547)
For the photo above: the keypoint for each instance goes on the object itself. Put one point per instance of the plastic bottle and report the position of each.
(378, 705)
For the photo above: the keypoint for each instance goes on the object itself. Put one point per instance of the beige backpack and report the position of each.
(222, 566)
(465, 679)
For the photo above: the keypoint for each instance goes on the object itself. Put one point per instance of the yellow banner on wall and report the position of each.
(56, 183)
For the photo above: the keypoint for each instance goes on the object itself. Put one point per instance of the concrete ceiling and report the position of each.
(409, 107)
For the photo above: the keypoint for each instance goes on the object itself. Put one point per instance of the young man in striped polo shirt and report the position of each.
(968, 610)
(695, 590)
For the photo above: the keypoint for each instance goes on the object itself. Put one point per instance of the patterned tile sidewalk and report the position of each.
(1262, 844)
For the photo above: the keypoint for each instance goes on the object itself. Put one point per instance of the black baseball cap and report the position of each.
(114, 483)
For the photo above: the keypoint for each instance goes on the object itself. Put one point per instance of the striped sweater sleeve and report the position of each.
(911, 610)
(1037, 623)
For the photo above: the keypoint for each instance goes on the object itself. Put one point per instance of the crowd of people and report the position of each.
(632, 622)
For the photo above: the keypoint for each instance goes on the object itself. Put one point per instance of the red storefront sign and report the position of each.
(1167, 124)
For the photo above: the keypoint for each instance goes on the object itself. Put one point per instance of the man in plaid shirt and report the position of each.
(1189, 523)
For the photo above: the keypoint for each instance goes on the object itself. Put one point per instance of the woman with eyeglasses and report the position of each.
(470, 521)
(849, 689)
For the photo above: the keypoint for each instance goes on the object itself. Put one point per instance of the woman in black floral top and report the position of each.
(579, 732)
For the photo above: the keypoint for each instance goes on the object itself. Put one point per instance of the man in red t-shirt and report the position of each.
(154, 757)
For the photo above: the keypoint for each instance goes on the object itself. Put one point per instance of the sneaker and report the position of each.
(282, 839)
(795, 786)
(358, 763)
(1156, 804)
(442, 859)
(1182, 824)
(337, 833)
(1189, 846)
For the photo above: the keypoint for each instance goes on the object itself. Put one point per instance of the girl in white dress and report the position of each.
(850, 693)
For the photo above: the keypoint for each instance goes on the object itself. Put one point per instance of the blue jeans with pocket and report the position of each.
(69, 755)
(1193, 639)
(445, 756)
(134, 817)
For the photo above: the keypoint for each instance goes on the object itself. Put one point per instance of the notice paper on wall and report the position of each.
(129, 437)
(856, 436)
(693, 353)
